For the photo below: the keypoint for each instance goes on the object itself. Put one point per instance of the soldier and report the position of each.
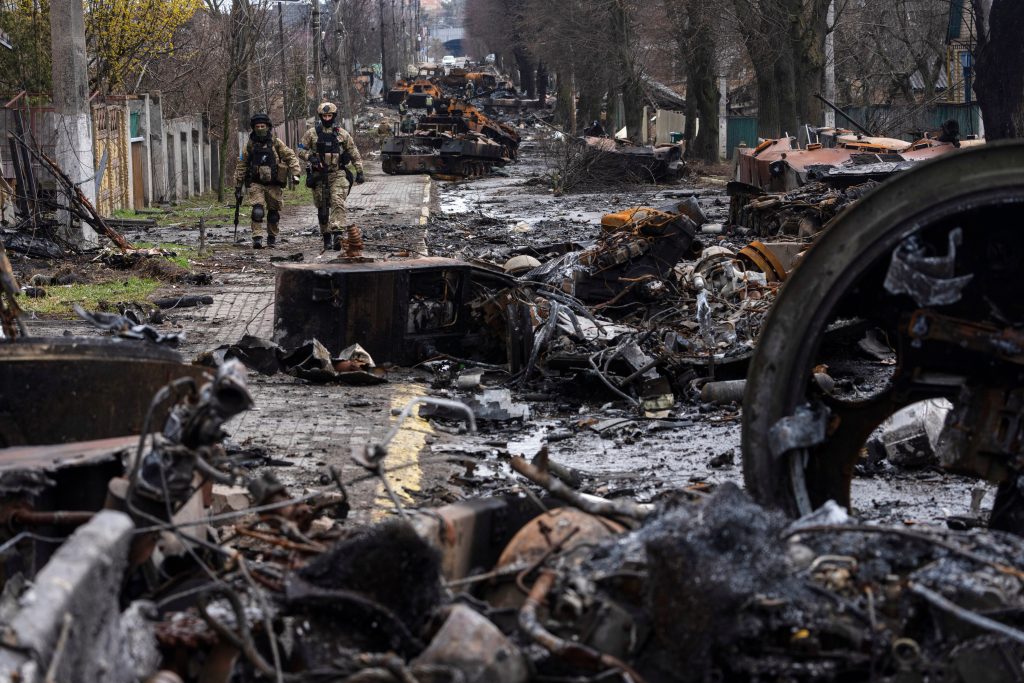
(328, 149)
(264, 165)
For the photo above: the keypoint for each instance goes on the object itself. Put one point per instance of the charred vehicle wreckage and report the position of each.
(456, 140)
(127, 555)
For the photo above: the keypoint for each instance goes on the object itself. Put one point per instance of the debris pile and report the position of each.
(643, 312)
(800, 213)
(284, 588)
(38, 199)
(311, 361)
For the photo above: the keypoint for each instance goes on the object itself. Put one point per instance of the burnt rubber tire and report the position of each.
(859, 237)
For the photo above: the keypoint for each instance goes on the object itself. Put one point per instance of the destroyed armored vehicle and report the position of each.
(460, 141)
(927, 263)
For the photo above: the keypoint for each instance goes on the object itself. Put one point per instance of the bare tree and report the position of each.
(695, 25)
(241, 28)
(1000, 66)
(786, 43)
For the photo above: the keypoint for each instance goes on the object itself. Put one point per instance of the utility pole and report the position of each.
(318, 82)
(284, 74)
(341, 69)
(383, 56)
(830, 64)
(72, 115)
(416, 26)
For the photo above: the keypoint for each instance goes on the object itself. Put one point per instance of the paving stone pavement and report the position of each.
(307, 425)
(311, 426)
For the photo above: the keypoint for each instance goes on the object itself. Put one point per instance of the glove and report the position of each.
(238, 193)
(360, 178)
(316, 165)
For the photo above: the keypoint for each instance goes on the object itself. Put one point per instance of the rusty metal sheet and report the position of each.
(755, 166)
(766, 261)
(65, 389)
(930, 151)
(58, 456)
(397, 310)
(864, 143)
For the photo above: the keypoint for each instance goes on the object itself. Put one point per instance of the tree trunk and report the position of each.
(527, 80)
(226, 141)
(630, 83)
(789, 63)
(589, 109)
(542, 83)
(776, 97)
(564, 113)
(808, 39)
(701, 87)
(999, 82)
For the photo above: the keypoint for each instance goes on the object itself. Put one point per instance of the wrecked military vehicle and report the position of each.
(457, 140)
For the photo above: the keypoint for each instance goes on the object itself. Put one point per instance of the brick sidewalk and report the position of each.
(245, 303)
(308, 425)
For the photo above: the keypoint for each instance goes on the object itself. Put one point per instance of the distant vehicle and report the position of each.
(448, 60)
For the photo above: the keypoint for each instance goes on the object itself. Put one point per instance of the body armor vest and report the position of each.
(263, 162)
(329, 147)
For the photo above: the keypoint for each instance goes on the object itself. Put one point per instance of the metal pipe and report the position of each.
(844, 115)
(577, 653)
(51, 517)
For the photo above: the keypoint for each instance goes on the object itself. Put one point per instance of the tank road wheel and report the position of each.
(930, 262)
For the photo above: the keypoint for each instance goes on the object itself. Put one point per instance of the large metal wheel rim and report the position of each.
(870, 229)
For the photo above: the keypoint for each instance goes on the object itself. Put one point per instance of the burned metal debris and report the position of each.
(780, 189)
(903, 301)
(456, 139)
(311, 361)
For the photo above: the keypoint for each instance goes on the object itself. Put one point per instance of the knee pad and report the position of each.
(273, 216)
(257, 213)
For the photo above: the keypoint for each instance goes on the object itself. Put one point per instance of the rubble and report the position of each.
(636, 330)
(311, 361)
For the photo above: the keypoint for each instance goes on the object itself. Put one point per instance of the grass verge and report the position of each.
(182, 253)
(59, 298)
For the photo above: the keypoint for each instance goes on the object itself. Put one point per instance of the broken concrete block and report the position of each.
(911, 437)
(230, 499)
(497, 405)
(470, 643)
(470, 380)
(74, 598)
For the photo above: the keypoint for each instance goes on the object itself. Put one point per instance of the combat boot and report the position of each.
(271, 239)
(337, 241)
(257, 242)
(328, 240)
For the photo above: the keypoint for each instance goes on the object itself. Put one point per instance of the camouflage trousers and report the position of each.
(337, 188)
(269, 197)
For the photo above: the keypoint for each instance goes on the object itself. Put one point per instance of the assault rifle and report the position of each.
(238, 205)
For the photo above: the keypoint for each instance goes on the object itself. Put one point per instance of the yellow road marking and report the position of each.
(405, 449)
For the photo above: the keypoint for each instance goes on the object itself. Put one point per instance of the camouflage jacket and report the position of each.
(285, 161)
(345, 145)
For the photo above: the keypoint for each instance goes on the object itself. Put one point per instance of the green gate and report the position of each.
(740, 129)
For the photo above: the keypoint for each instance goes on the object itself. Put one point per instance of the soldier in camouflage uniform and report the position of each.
(328, 150)
(264, 165)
